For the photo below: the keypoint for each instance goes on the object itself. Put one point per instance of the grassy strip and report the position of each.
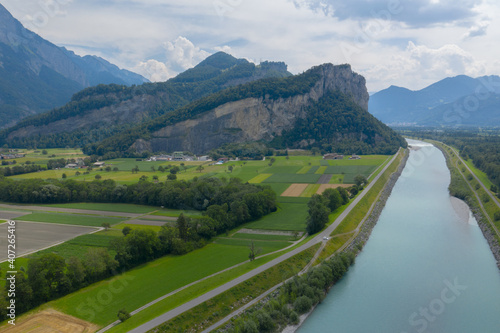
(107, 207)
(481, 175)
(310, 190)
(72, 219)
(243, 235)
(353, 219)
(190, 293)
(332, 246)
(222, 305)
(263, 246)
(260, 178)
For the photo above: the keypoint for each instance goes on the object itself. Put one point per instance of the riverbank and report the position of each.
(482, 220)
(366, 229)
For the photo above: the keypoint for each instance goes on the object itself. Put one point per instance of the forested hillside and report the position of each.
(102, 111)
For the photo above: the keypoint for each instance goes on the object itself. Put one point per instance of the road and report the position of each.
(207, 296)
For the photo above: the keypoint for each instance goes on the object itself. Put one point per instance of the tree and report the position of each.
(123, 315)
(155, 178)
(230, 168)
(126, 230)
(45, 152)
(75, 272)
(106, 226)
(182, 225)
(172, 176)
(143, 178)
(77, 173)
(116, 169)
(108, 168)
(153, 168)
(360, 180)
(64, 176)
(333, 197)
(318, 214)
(200, 168)
(98, 177)
(253, 252)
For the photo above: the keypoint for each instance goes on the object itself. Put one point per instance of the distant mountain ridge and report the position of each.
(459, 100)
(36, 75)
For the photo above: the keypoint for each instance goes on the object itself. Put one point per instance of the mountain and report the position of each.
(105, 110)
(439, 104)
(36, 75)
(324, 107)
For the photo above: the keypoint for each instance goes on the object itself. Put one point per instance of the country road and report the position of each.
(317, 239)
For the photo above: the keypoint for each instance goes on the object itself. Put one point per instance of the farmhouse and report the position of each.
(71, 166)
(99, 164)
(355, 157)
(333, 156)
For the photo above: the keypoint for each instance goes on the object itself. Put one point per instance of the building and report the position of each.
(204, 158)
(333, 156)
(72, 166)
(355, 157)
(99, 164)
(178, 156)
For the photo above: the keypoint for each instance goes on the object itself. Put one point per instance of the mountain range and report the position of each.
(36, 75)
(454, 101)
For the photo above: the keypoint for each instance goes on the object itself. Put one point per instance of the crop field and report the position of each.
(114, 207)
(291, 215)
(243, 235)
(49, 321)
(73, 219)
(128, 289)
(310, 190)
(31, 237)
(260, 178)
(265, 246)
(294, 190)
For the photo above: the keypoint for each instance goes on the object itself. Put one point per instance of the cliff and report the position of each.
(254, 118)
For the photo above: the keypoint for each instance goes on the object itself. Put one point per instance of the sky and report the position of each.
(407, 43)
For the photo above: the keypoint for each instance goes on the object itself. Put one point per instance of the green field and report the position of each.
(108, 207)
(73, 219)
(290, 216)
(293, 178)
(247, 236)
(260, 178)
(132, 290)
(310, 190)
(264, 246)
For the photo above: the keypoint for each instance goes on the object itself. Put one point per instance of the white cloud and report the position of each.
(420, 65)
(154, 70)
(182, 54)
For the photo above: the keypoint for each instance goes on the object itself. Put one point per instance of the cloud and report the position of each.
(420, 65)
(154, 70)
(477, 31)
(416, 13)
(181, 54)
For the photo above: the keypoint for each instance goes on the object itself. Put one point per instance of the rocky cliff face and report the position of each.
(254, 119)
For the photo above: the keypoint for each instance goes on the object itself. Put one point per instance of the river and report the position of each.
(425, 268)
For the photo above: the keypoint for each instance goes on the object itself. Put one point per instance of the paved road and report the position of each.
(205, 297)
(494, 198)
(476, 194)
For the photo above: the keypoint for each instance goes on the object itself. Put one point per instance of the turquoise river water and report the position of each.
(426, 267)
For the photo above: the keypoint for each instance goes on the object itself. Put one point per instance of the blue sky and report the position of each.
(390, 42)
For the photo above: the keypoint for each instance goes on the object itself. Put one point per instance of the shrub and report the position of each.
(302, 304)
(123, 315)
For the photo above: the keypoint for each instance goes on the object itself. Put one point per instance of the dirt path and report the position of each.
(70, 210)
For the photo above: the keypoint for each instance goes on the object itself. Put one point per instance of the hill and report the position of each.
(440, 104)
(36, 75)
(105, 110)
(324, 107)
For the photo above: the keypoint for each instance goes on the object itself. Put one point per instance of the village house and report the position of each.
(355, 157)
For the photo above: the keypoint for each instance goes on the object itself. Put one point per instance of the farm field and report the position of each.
(32, 237)
(299, 174)
(188, 268)
(72, 219)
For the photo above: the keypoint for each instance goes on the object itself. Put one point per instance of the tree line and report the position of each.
(225, 205)
(296, 297)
